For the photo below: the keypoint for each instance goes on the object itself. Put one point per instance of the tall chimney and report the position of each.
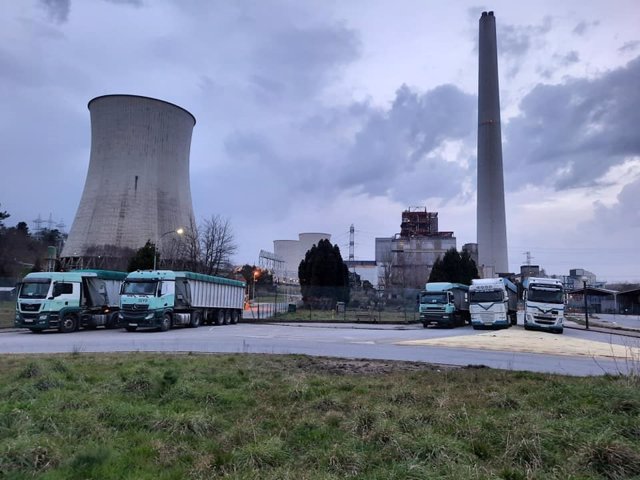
(491, 221)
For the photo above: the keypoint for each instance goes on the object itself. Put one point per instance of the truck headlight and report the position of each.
(43, 317)
(149, 316)
(120, 316)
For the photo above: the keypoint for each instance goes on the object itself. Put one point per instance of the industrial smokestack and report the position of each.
(137, 186)
(491, 221)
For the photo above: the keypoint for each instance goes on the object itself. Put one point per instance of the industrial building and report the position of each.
(405, 260)
(491, 219)
(137, 187)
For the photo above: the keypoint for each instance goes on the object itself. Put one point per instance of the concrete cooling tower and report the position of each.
(137, 186)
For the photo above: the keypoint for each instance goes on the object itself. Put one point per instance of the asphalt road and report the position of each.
(335, 340)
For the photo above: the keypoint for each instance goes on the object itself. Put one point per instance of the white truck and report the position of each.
(164, 299)
(444, 304)
(67, 301)
(493, 302)
(543, 304)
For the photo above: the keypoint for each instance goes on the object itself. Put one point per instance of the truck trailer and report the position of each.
(543, 304)
(68, 300)
(444, 304)
(493, 302)
(164, 299)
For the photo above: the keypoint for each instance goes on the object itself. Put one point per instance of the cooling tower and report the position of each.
(491, 221)
(137, 186)
(289, 251)
(308, 240)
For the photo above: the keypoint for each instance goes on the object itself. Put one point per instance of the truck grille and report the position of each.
(135, 307)
(30, 307)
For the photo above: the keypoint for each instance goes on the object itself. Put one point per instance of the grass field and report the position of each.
(351, 315)
(150, 416)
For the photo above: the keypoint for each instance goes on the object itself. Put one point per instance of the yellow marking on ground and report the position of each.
(520, 340)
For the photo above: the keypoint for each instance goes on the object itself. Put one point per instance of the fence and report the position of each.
(330, 304)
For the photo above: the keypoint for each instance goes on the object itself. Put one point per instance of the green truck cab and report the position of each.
(163, 299)
(67, 301)
(444, 304)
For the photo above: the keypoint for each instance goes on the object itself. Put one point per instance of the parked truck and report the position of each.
(543, 304)
(164, 299)
(493, 302)
(444, 304)
(68, 300)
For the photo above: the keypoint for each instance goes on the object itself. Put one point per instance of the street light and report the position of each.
(179, 231)
(586, 307)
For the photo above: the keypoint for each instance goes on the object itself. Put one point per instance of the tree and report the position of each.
(323, 275)
(3, 217)
(217, 244)
(143, 258)
(454, 268)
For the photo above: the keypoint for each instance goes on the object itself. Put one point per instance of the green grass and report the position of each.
(152, 416)
(7, 314)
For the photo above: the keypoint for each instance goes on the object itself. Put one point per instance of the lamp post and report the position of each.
(586, 307)
(179, 231)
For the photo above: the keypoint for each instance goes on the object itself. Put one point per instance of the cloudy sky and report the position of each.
(315, 115)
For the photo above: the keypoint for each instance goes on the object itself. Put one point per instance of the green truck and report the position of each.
(444, 304)
(67, 301)
(163, 299)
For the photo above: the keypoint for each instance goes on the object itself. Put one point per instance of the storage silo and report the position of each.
(137, 186)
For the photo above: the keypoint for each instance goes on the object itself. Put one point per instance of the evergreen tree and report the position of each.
(143, 258)
(323, 274)
(454, 268)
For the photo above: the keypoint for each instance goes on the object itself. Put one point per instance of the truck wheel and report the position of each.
(69, 324)
(166, 322)
(220, 317)
(112, 321)
(514, 319)
(130, 329)
(227, 319)
(195, 320)
(234, 317)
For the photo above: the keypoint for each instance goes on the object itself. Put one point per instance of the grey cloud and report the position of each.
(582, 27)
(404, 141)
(568, 58)
(568, 135)
(135, 3)
(623, 214)
(300, 62)
(629, 46)
(58, 10)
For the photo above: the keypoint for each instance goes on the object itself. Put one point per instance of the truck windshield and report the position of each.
(434, 297)
(485, 296)
(139, 288)
(546, 295)
(35, 289)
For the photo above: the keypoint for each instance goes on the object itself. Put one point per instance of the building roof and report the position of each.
(593, 291)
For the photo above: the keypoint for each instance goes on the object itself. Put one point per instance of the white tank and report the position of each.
(137, 186)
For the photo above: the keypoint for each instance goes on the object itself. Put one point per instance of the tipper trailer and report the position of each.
(164, 299)
(68, 300)
(444, 304)
(493, 302)
(543, 304)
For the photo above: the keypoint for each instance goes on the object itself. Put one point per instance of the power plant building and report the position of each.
(405, 260)
(137, 187)
(491, 219)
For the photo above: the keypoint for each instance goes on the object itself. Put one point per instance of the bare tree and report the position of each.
(217, 244)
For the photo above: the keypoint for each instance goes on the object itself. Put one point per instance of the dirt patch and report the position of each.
(342, 366)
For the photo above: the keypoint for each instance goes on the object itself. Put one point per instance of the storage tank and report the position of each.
(137, 186)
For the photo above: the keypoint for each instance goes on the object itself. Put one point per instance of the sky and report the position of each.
(315, 115)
